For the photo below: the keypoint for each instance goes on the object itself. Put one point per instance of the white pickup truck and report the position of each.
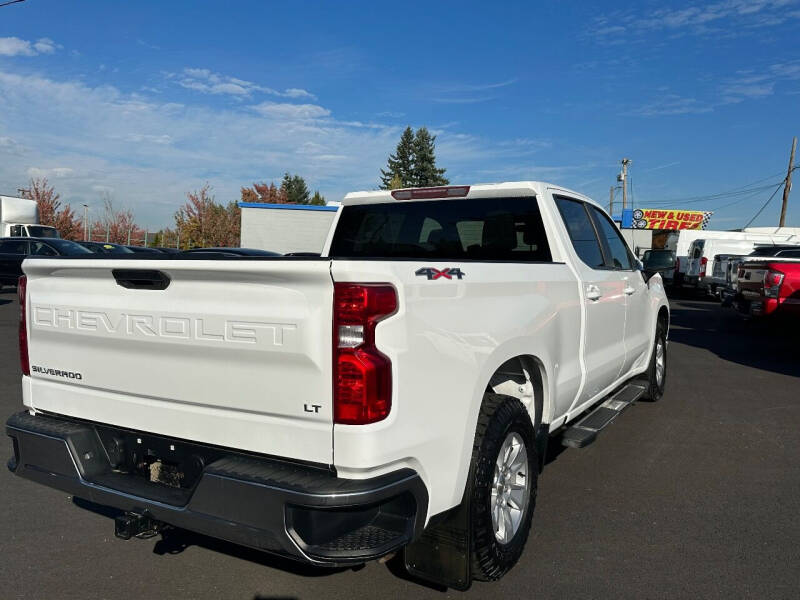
(397, 392)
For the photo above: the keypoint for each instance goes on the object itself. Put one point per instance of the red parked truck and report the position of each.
(769, 287)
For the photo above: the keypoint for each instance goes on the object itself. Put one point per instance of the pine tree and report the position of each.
(317, 199)
(400, 164)
(295, 188)
(425, 172)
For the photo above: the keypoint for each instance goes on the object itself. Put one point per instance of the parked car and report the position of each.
(14, 250)
(207, 253)
(661, 262)
(145, 250)
(335, 408)
(769, 287)
(105, 248)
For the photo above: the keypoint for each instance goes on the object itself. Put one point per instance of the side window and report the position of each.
(16, 230)
(14, 247)
(581, 232)
(616, 248)
(40, 249)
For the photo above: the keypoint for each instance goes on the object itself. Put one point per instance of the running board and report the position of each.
(584, 432)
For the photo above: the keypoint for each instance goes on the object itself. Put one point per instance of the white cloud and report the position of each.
(466, 93)
(14, 46)
(54, 172)
(291, 111)
(45, 46)
(672, 104)
(731, 17)
(8, 144)
(206, 81)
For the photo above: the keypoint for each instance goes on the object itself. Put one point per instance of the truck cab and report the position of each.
(31, 230)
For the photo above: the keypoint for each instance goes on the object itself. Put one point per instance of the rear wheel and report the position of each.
(505, 469)
(657, 371)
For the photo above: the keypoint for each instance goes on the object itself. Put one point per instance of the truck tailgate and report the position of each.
(235, 353)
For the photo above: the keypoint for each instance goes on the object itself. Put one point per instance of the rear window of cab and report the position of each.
(483, 229)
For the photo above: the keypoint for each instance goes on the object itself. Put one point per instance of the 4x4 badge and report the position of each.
(432, 273)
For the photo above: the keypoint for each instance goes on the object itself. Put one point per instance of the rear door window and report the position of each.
(581, 232)
(483, 229)
(14, 247)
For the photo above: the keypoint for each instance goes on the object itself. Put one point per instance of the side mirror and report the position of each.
(646, 273)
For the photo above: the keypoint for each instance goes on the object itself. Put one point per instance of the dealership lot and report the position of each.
(697, 495)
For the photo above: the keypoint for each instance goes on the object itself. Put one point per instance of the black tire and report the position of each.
(655, 389)
(499, 416)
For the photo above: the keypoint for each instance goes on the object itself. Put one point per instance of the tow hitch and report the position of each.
(135, 525)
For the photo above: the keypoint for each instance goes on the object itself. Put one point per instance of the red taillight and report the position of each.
(703, 265)
(24, 361)
(452, 191)
(772, 283)
(362, 375)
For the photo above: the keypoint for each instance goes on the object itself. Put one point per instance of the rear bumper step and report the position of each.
(585, 431)
(300, 511)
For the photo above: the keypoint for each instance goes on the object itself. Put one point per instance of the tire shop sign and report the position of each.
(655, 218)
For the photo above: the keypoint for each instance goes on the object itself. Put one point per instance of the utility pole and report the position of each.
(787, 184)
(611, 201)
(623, 178)
(85, 222)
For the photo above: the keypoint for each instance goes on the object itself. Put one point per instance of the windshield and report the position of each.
(41, 231)
(658, 260)
(68, 248)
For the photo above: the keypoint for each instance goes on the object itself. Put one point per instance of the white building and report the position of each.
(285, 227)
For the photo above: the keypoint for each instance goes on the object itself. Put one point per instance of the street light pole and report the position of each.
(85, 222)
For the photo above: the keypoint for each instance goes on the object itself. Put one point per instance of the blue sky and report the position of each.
(144, 101)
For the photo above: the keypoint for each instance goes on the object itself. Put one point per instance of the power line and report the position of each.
(740, 200)
(760, 210)
(732, 192)
(719, 196)
(10, 2)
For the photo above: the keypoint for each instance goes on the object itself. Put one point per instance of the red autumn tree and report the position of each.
(203, 223)
(116, 226)
(267, 193)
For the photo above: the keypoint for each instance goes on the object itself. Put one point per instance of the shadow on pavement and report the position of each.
(768, 344)
(174, 541)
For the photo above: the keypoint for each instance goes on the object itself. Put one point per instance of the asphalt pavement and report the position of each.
(697, 495)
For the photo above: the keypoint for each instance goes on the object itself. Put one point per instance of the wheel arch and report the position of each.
(663, 318)
(523, 377)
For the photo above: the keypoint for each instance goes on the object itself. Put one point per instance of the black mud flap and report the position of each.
(442, 554)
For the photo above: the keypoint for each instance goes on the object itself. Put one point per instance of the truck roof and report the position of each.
(459, 192)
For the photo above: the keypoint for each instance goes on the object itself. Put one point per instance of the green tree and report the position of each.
(426, 173)
(295, 189)
(400, 165)
(317, 199)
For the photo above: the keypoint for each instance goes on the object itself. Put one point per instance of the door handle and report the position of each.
(629, 290)
(593, 292)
